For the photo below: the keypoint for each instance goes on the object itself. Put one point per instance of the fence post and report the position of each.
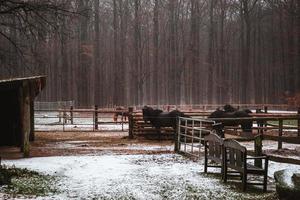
(71, 114)
(32, 135)
(130, 122)
(299, 122)
(65, 117)
(177, 133)
(266, 122)
(96, 117)
(259, 123)
(59, 116)
(280, 133)
(258, 150)
(121, 120)
(266, 109)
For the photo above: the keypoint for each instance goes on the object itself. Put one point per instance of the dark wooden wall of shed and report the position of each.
(10, 130)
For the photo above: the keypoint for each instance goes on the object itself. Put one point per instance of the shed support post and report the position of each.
(32, 136)
(25, 118)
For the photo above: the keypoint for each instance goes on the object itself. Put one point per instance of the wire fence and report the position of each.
(80, 120)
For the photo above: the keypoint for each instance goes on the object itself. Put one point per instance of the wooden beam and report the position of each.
(131, 123)
(32, 136)
(280, 133)
(299, 122)
(258, 150)
(24, 95)
(96, 117)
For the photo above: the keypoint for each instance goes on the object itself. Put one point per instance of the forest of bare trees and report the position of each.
(136, 52)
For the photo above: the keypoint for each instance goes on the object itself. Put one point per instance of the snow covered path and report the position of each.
(166, 176)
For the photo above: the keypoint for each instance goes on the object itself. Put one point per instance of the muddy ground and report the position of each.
(82, 143)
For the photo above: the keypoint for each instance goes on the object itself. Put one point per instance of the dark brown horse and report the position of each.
(158, 118)
(231, 112)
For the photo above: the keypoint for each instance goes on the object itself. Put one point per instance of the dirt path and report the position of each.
(85, 143)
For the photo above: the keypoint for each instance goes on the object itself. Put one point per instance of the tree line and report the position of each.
(136, 52)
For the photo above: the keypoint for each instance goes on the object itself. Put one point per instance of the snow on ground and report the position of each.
(271, 148)
(80, 127)
(166, 176)
(280, 111)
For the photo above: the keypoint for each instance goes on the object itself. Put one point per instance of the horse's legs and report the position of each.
(158, 131)
(115, 118)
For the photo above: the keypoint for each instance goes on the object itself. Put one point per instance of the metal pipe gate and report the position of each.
(190, 135)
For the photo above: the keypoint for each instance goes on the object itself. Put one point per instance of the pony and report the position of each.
(120, 111)
(158, 118)
(231, 112)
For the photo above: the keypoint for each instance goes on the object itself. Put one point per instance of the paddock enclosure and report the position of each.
(75, 146)
(271, 123)
(62, 116)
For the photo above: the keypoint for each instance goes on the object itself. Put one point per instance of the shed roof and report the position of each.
(21, 79)
(36, 84)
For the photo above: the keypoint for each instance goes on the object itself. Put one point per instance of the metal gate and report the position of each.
(190, 134)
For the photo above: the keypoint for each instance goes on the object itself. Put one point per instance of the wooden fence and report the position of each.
(80, 120)
(137, 126)
(205, 107)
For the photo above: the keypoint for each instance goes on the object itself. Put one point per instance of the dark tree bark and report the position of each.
(156, 67)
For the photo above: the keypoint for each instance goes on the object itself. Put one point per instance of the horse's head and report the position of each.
(229, 108)
(147, 113)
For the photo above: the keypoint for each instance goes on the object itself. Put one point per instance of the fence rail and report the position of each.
(214, 106)
(80, 120)
(263, 126)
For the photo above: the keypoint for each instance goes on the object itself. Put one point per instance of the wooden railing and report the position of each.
(93, 119)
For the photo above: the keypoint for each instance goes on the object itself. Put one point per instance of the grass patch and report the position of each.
(15, 182)
(285, 123)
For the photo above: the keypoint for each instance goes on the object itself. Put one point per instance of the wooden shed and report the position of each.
(17, 111)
